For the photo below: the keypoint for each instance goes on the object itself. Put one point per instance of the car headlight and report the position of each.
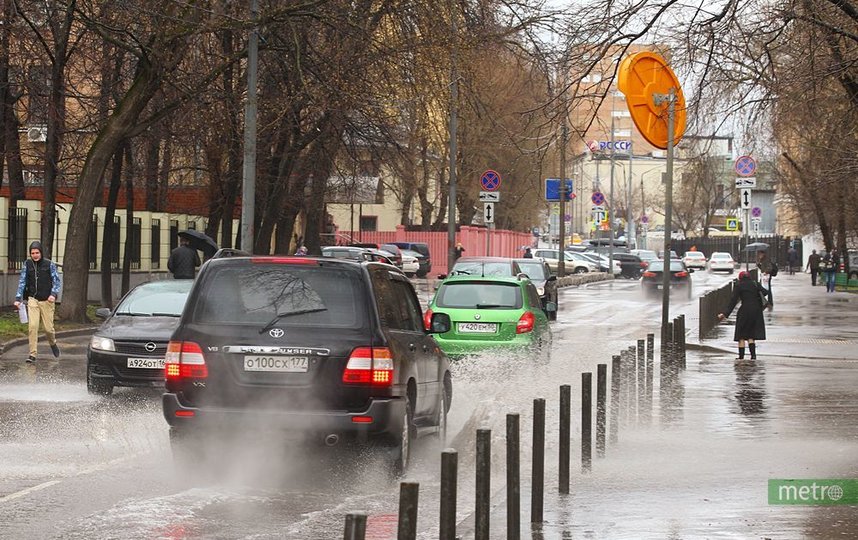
(540, 290)
(101, 343)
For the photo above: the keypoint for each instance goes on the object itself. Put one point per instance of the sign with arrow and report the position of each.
(745, 198)
(488, 212)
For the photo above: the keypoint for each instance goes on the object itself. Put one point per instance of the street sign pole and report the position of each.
(745, 226)
(668, 210)
(561, 263)
(454, 123)
(611, 213)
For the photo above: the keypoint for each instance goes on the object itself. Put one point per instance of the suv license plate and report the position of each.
(477, 328)
(146, 363)
(283, 364)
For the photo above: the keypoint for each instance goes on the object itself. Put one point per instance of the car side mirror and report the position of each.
(442, 276)
(440, 323)
(552, 277)
(691, 270)
(550, 307)
(102, 313)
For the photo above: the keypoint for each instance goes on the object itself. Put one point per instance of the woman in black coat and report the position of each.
(750, 325)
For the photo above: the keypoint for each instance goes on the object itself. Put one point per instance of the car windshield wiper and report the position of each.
(489, 306)
(279, 316)
(133, 313)
(158, 314)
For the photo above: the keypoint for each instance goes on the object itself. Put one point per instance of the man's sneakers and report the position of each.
(31, 359)
(55, 350)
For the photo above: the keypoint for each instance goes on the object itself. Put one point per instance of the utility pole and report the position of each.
(561, 262)
(611, 201)
(454, 125)
(630, 220)
(668, 203)
(248, 188)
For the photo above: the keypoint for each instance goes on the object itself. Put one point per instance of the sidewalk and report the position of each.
(702, 471)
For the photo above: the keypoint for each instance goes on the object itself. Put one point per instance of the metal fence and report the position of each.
(114, 244)
(155, 258)
(134, 237)
(17, 238)
(92, 246)
(174, 234)
(735, 245)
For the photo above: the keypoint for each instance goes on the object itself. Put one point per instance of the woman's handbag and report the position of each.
(764, 297)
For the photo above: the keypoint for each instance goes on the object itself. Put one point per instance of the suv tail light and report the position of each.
(682, 273)
(648, 274)
(369, 365)
(184, 360)
(427, 320)
(644, 264)
(525, 323)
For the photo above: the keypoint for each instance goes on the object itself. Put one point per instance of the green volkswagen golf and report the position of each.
(490, 312)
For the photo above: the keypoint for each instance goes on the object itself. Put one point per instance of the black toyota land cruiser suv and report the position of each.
(330, 348)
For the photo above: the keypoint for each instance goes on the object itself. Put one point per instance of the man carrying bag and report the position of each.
(39, 286)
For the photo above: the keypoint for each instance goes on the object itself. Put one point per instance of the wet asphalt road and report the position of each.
(75, 466)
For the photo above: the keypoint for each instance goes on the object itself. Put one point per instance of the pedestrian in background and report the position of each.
(792, 259)
(528, 254)
(183, 260)
(750, 325)
(460, 249)
(39, 286)
(830, 264)
(813, 265)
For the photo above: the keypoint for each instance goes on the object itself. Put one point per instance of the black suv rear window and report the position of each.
(255, 293)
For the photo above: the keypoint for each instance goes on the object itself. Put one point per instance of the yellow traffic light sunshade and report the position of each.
(640, 76)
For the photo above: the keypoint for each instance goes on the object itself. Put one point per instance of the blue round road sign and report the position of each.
(490, 180)
(597, 198)
(746, 166)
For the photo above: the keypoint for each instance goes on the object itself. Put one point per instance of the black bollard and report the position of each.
(483, 484)
(641, 380)
(586, 421)
(633, 385)
(614, 424)
(650, 357)
(407, 528)
(449, 476)
(538, 464)
(681, 341)
(565, 436)
(601, 397)
(513, 478)
(355, 526)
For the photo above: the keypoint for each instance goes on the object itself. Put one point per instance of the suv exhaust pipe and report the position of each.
(332, 439)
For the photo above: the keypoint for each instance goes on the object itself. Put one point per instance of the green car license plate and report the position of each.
(477, 328)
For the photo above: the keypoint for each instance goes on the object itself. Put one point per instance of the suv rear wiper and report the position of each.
(288, 314)
(489, 306)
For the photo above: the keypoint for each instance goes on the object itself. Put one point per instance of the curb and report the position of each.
(581, 279)
(65, 333)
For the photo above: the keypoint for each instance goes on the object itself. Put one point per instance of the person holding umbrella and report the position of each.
(183, 260)
(750, 325)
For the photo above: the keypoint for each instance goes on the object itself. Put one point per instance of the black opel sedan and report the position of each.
(129, 347)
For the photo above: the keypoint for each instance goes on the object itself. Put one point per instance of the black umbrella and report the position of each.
(200, 241)
(757, 246)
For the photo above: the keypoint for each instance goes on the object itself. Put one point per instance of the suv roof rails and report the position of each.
(229, 252)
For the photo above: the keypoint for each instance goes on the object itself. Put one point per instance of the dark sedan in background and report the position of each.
(680, 278)
(129, 347)
(546, 283)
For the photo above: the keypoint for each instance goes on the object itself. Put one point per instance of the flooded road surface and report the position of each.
(75, 466)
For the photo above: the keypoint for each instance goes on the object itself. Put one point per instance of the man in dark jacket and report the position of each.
(183, 260)
(39, 286)
(813, 264)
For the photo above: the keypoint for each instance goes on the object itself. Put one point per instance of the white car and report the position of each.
(410, 265)
(721, 261)
(570, 264)
(694, 259)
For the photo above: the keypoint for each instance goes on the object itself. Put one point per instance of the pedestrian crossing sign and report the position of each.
(732, 224)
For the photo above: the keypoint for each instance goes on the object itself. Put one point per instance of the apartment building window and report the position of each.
(620, 114)
(369, 223)
(622, 133)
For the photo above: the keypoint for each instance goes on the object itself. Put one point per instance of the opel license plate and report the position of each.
(477, 328)
(146, 363)
(282, 364)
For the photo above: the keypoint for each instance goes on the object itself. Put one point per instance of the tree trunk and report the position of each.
(109, 231)
(164, 177)
(55, 126)
(11, 125)
(146, 82)
(129, 220)
(152, 152)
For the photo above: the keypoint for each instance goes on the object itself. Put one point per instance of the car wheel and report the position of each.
(580, 270)
(400, 454)
(95, 386)
(410, 274)
(422, 274)
(443, 409)
(853, 275)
